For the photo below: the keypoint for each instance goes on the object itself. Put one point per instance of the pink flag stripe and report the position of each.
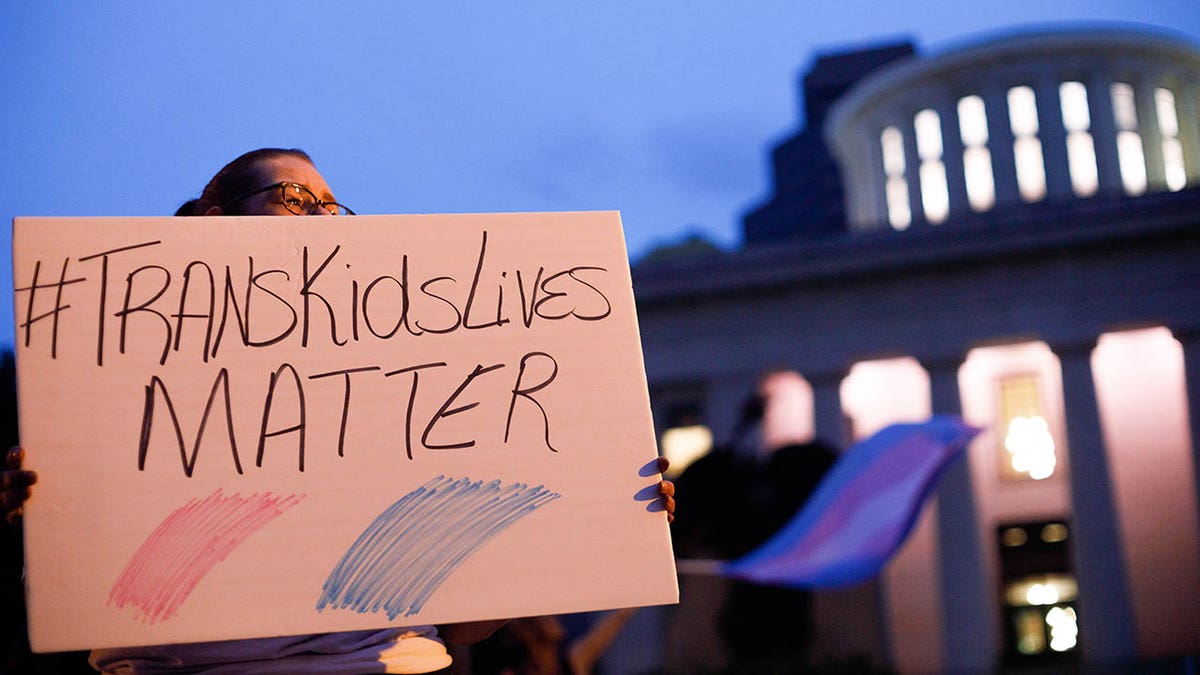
(861, 512)
(186, 545)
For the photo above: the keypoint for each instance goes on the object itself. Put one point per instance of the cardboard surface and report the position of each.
(252, 426)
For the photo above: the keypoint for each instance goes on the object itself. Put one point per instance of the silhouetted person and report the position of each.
(739, 496)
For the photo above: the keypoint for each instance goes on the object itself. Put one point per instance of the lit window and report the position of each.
(1014, 536)
(1027, 149)
(684, 445)
(1064, 628)
(1172, 149)
(1054, 533)
(1081, 152)
(1028, 445)
(1042, 613)
(896, 190)
(1039, 590)
(935, 198)
(1130, 155)
(977, 161)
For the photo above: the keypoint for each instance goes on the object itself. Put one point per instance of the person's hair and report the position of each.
(237, 177)
(187, 208)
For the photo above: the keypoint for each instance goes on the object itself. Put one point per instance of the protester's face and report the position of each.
(284, 168)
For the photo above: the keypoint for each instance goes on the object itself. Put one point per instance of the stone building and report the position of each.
(1009, 231)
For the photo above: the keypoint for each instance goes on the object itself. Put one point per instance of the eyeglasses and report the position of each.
(297, 199)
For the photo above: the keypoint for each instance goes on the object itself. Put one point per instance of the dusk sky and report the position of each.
(663, 109)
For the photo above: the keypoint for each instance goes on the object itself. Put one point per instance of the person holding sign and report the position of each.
(281, 182)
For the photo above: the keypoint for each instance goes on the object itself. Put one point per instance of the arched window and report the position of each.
(1081, 153)
(1027, 149)
(1130, 155)
(896, 190)
(1172, 149)
(935, 198)
(977, 160)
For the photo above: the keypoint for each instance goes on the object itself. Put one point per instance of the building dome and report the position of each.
(1016, 121)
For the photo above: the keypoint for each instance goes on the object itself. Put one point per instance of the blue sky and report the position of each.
(662, 109)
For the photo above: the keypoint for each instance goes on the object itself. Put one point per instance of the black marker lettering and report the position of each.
(446, 411)
(126, 309)
(189, 462)
(529, 305)
(458, 319)
(212, 306)
(345, 399)
(526, 393)
(403, 307)
(231, 299)
(268, 405)
(59, 307)
(412, 397)
(607, 305)
(499, 321)
(353, 308)
(254, 282)
(549, 296)
(103, 255)
(306, 292)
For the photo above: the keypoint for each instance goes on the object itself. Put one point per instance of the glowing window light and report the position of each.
(977, 160)
(1053, 533)
(929, 134)
(1172, 149)
(1130, 156)
(1133, 162)
(684, 445)
(1022, 111)
(1081, 152)
(972, 120)
(1164, 105)
(1041, 594)
(899, 214)
(1031, 629)
(1064, 628)
(935, 197)
(1027, 149)
(1041, 590)
(893, 151)
(1032, 447)
(1028, 445)
(1014, 537)
(896, 188)
(1173, 164)
(1124, 110)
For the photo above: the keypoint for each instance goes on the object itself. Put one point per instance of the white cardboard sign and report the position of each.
(253, 426)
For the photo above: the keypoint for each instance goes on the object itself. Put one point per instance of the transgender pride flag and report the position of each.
(862, 510)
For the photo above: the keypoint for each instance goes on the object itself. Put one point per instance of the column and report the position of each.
(1188, 98)
(1191, 364)
(952, 156)
(1106, 631)
(968, 603)
(912, 171)
(1147, 114)
(1104, 133)
(1000, 145)
(1053, 136)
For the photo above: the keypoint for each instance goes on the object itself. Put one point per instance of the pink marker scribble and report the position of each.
(186, 545)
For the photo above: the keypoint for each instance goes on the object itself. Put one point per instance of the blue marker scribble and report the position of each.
(402, 557)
